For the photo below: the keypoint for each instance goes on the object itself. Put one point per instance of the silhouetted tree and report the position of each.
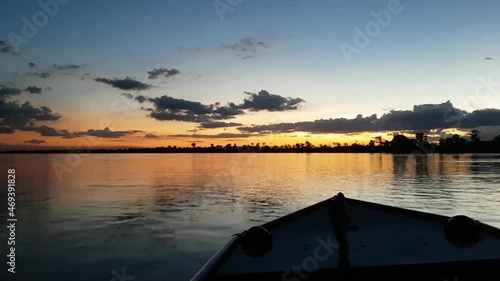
(474, 136)
(419, 137)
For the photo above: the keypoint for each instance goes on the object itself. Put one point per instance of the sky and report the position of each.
(150, 73)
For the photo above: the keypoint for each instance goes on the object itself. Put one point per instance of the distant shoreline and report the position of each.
(191, 151)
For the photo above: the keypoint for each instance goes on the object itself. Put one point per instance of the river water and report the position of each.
(161, 216)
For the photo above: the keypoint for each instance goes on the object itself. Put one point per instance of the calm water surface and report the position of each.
(161, 216)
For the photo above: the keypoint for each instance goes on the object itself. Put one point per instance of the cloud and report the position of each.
(157, 72)
(140, 98)
(246, 45)
(35, 141)
(6, 48)
(45, 131)
(128, 95)
(247, 57)
(217, 136)
(107, 133)
(6, 130)
(170, 108)
(218, 124)
(477, 118)
(66, 66)
(151, 136)
(167, 108)
(125, 84)
(15, 115)
(33, 90)
(227, 111)
(7, 91)
(270, 102)
(422, 118)
(43, 75)
(32, 65)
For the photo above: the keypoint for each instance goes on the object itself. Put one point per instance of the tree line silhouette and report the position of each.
(398, 144)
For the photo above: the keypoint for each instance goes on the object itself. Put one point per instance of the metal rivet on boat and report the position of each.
(462, 231)
(256, 241)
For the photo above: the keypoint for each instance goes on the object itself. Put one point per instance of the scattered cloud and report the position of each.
(162, 72)
(125, 84)
(6, 48)
(43, 75)
(35, 141)
(6, 130)
(8, 91)
(33, 90)
(422, 118)
(217, 136)
(32, 65)
(167, 108)
(270, 102)
(128, 95)
(246, 45)
(247, 57)
(66, 66)
(151, 136)
(107, 133)
(140, 98)
(218, 124)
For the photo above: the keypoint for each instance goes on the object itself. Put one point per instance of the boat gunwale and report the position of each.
(212, 266)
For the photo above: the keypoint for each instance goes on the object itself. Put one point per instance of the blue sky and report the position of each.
(429, 53)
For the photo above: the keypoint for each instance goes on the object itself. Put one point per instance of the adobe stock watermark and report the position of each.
(30, 28)
(321, 253)
(223, 6)
(363, 38)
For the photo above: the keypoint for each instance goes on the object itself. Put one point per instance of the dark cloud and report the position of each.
(6, 48)
(247, 57)
(422, 118)
(107, 133)
(35, 141)
(170, 108)
(128, 95)
(245, 45)
(33, 90)
(184, 116)
(151, 136)
(167, 103)
(45, 131)
(217, 136)
(6, 130)
(125, 84)
(174, 109)
(42, 74)
(227, 111)
(484, 117)
(15, 115)
(218, 124)
(7, 91)
(66, 66)
(163, 72)
(32, 64)
(270, 102)
(140, 98)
